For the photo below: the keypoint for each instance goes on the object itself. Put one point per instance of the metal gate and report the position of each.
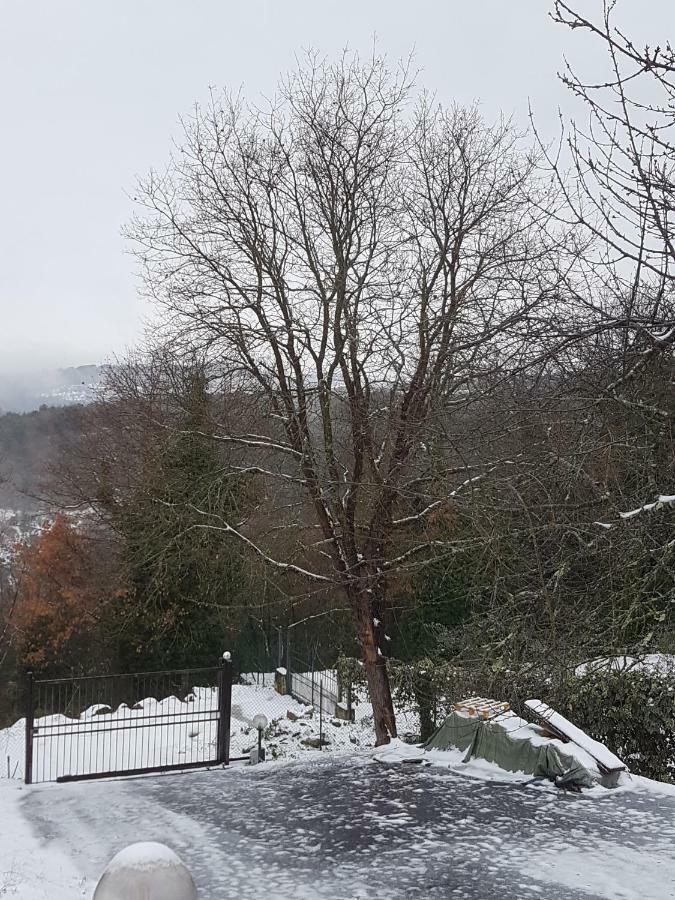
(103, 726)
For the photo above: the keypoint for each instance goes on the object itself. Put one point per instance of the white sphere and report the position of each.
(146, 871)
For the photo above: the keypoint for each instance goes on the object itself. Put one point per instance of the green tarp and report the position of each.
(517, 746)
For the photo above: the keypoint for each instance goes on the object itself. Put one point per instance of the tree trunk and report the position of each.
(380, 697)
(370, 629)
(424, 698)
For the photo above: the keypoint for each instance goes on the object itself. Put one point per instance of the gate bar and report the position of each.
(28, 761)
(224, 709)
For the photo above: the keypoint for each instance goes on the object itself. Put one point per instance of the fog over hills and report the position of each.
(50, 387)
(40, 418)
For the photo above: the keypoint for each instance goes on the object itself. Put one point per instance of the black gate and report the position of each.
(102, 726)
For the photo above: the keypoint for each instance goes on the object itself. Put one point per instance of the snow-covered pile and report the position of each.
(290, 738)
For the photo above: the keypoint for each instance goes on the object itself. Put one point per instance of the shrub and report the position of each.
(632, 712)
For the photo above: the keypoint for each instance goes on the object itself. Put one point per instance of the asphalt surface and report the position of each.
(350, 828)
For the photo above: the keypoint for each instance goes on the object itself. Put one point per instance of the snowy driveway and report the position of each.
(349, 828)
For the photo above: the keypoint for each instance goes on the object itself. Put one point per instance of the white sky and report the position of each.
(90, 92)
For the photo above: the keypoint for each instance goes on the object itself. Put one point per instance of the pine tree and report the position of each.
(183, 576)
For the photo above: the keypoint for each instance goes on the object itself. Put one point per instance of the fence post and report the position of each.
(30, 728)
(321, 715)
(224, 709)
(289, 666)
(312, 682)
(349, 700)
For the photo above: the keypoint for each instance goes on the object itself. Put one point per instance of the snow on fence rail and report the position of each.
(151, 734)
(166, 733)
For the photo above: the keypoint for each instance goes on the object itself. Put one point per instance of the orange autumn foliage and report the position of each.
(62, 591)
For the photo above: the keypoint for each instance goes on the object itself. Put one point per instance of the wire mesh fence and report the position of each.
(318, 686)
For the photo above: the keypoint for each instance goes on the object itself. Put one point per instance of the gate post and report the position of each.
(289, 665)
(30, 727)
(224, 709)
(312, 683)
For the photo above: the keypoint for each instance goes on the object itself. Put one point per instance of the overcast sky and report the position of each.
(91, 90)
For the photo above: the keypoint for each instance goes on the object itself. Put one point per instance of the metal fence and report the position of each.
(318, 687)
(96, 726)
(309, 685)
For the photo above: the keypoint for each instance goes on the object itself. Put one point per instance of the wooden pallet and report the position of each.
(481, 707)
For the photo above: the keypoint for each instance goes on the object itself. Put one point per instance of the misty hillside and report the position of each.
(29, 444)
(29, 391)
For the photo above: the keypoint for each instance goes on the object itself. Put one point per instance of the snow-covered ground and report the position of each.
(32, 869)
(18, 527)
(341, 827)
(348, 823)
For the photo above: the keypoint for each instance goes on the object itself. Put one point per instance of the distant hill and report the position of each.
(29, 444)
(55, 387)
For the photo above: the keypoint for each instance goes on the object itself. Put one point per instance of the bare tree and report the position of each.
(623, 193)
(360, 268)
(623, 160)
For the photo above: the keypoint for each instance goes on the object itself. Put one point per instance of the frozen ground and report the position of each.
(344, 827)
(339, 826)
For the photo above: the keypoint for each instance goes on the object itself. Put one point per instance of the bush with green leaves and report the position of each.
(632, 712)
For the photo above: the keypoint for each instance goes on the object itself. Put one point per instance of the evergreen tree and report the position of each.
(183, 576)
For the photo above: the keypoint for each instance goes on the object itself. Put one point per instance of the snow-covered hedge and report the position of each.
(632, 712)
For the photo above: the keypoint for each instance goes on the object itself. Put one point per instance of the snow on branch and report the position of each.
(268, 473)
(406, 520)
(225, 527)
(286, 567)
(450, 546)
(246, 440)
(661, 501)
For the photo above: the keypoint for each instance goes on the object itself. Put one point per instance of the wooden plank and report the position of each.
(557, 723)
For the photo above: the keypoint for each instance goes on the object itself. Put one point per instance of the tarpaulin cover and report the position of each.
(516, 745)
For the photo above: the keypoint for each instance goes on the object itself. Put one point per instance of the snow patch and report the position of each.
(29, 870)
(649, 664)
